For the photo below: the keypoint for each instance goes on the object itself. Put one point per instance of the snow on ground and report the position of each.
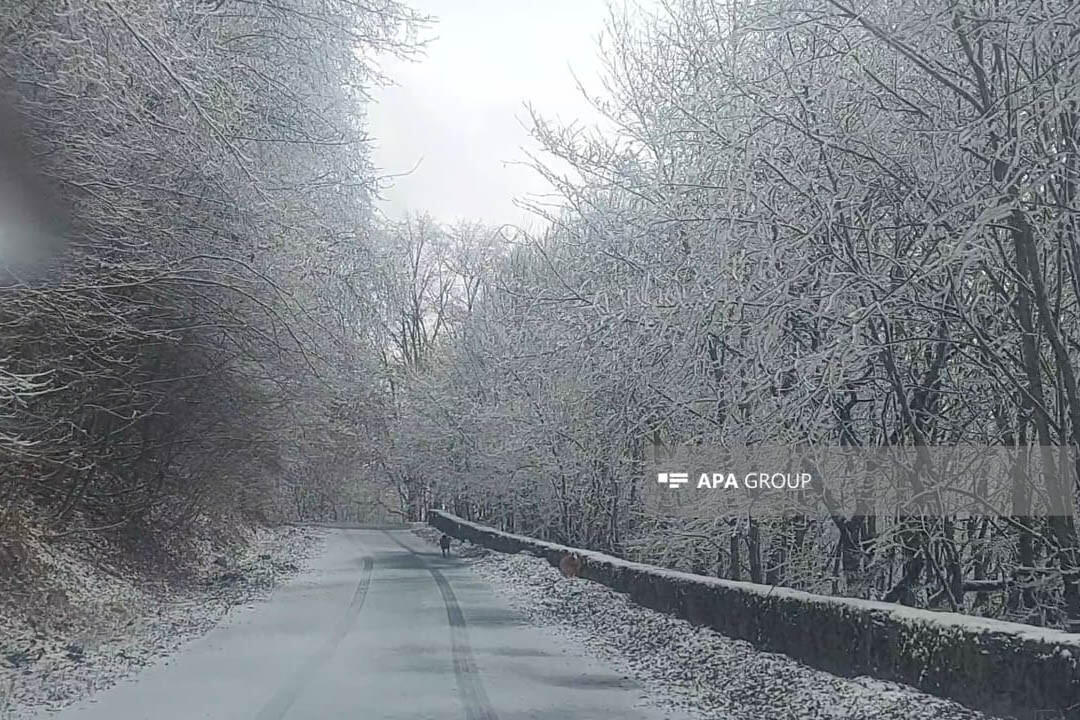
(693, 669)
(98, 626)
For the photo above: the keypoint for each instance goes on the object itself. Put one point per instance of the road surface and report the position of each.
(381, 627)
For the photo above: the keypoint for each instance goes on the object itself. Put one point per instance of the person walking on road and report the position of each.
(444, 543)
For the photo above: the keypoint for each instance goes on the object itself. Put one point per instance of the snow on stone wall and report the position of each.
(1000, 667)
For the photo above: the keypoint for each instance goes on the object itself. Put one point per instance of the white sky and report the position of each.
(460, 111)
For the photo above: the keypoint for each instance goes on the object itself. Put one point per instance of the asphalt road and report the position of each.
(380, 627)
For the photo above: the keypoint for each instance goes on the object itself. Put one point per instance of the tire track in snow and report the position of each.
(473, 696)
(284, 698)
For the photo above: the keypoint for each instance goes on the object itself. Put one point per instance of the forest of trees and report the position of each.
(193, 354)
(837, 224)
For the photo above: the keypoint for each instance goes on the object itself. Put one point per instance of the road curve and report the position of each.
(380, 627)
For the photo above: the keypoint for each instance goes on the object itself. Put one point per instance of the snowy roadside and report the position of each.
(103, 626)
(690, 668)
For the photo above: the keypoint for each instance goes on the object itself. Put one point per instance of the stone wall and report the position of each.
(999, 667)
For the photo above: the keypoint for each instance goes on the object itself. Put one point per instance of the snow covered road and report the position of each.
(380, 626)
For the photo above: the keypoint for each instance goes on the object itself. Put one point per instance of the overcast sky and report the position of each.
(460, 111)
